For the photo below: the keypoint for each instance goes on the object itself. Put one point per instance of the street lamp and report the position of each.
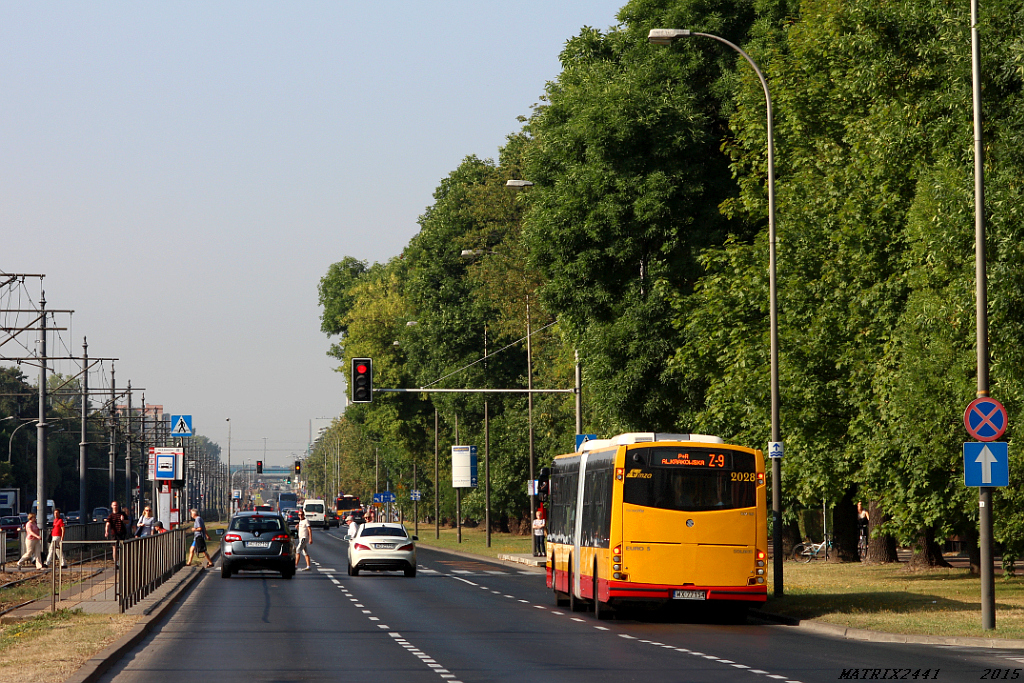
(667, 36)
(230, 488)
(10, 441)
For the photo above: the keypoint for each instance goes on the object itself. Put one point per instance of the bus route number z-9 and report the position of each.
(718, 461)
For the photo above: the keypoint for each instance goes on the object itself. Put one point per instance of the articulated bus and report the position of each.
(347, 502)
(658, 517)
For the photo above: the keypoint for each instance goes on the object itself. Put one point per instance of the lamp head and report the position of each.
(667, 36)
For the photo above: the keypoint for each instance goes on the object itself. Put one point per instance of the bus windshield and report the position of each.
(690, 479)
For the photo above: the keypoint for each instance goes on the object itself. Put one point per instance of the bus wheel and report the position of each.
(600, 612)
(575, 604)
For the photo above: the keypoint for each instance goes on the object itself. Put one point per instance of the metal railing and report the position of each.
(122, 571)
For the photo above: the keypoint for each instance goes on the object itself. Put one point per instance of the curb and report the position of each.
(863, 634)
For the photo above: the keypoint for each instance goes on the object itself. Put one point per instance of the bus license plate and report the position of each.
(257, 544)
(689, 595)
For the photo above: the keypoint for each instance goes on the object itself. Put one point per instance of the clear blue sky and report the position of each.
(184, 173)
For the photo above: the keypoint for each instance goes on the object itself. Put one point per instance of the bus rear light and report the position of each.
(616, 567)
(760, 579)
(616, 558)
(617, 550)
(759, 563)
(760, 572)
(759, 555)
(619, 471)
(620, 576)
(760, 478)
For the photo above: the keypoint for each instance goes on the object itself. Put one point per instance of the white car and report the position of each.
(382, 547)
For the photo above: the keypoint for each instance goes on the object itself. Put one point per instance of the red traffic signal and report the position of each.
(259, 467)
(362, 380)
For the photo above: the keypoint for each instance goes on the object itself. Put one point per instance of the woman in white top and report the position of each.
(144, 527)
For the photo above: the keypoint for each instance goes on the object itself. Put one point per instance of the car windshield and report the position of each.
(383, 531)
(10, 520)
(251, 524)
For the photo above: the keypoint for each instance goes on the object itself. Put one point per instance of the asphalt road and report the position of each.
(463, 620)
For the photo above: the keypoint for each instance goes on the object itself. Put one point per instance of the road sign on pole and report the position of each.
(181, 425)
(775, 449)
(985, 419)
(986, 464)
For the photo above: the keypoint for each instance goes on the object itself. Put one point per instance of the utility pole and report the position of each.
(83, 443)
(113, 435)
(41, 427)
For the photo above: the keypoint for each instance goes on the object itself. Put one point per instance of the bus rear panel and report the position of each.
(659, 521)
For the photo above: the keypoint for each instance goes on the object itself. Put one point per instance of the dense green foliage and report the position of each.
(644, 243)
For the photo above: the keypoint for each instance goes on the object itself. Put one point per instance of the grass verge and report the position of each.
(891, 598)
(474, 541)
(50, 647)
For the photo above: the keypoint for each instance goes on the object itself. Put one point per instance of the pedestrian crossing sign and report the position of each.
(181, 425)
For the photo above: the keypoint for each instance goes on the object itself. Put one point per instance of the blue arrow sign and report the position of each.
(384, 497)
(986, 464)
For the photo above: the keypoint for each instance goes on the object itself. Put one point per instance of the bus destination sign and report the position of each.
(704, 460)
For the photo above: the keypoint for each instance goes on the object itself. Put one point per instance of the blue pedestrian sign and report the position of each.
(384, 497)
(181, 425)
(986, 464)
(583, 438)
(985, 419)
(416, 494)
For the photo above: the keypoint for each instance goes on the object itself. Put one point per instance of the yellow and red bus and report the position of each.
(658, 517)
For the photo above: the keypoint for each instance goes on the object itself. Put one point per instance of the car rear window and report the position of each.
(256, 524)
(314, 507)
(383, 531)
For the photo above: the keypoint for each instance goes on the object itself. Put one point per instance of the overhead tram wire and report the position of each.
(486, 356)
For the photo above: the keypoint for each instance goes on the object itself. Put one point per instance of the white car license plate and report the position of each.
(384, 546)
(689, 595)
(257, 544)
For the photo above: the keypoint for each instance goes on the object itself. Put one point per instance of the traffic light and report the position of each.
(362, 380)
(298, 467)
(288, 480)
(543, 483)
(259, 467)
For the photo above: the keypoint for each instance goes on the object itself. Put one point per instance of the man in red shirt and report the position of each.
(56, 539)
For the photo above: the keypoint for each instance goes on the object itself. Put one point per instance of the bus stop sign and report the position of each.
(985, 419)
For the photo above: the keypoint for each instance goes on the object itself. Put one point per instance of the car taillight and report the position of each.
(228, 538)
(407, 546)
(282, 538)
(360, 546)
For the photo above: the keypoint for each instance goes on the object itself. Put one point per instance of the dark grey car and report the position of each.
(257, 541)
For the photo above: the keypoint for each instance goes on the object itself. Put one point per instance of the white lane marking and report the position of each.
(457, 578)
(557, 613)
(365, 611)
(461, 571)
(326, 569)
(492, 571)
(444, 673)
(540, 607)
(374, 618)
(524, 601)
(741, 666)
(602, 628)
(383, 626)
(510, 596)
(576, 619)
(757, 671)
(623, 635)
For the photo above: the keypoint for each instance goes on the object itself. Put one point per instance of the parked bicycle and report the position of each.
(805, 552)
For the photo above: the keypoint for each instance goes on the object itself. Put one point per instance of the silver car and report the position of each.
(257, 541)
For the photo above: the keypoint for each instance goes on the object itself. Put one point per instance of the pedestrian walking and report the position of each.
(199, 540)
(158, 528)
(538, 535)
(305, 540)
(144, 527)
(33, 543)
(56, 541)
(116, 527)
(353, 526)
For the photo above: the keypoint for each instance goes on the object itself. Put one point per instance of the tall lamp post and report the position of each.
(231, 492)
(667, 36)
